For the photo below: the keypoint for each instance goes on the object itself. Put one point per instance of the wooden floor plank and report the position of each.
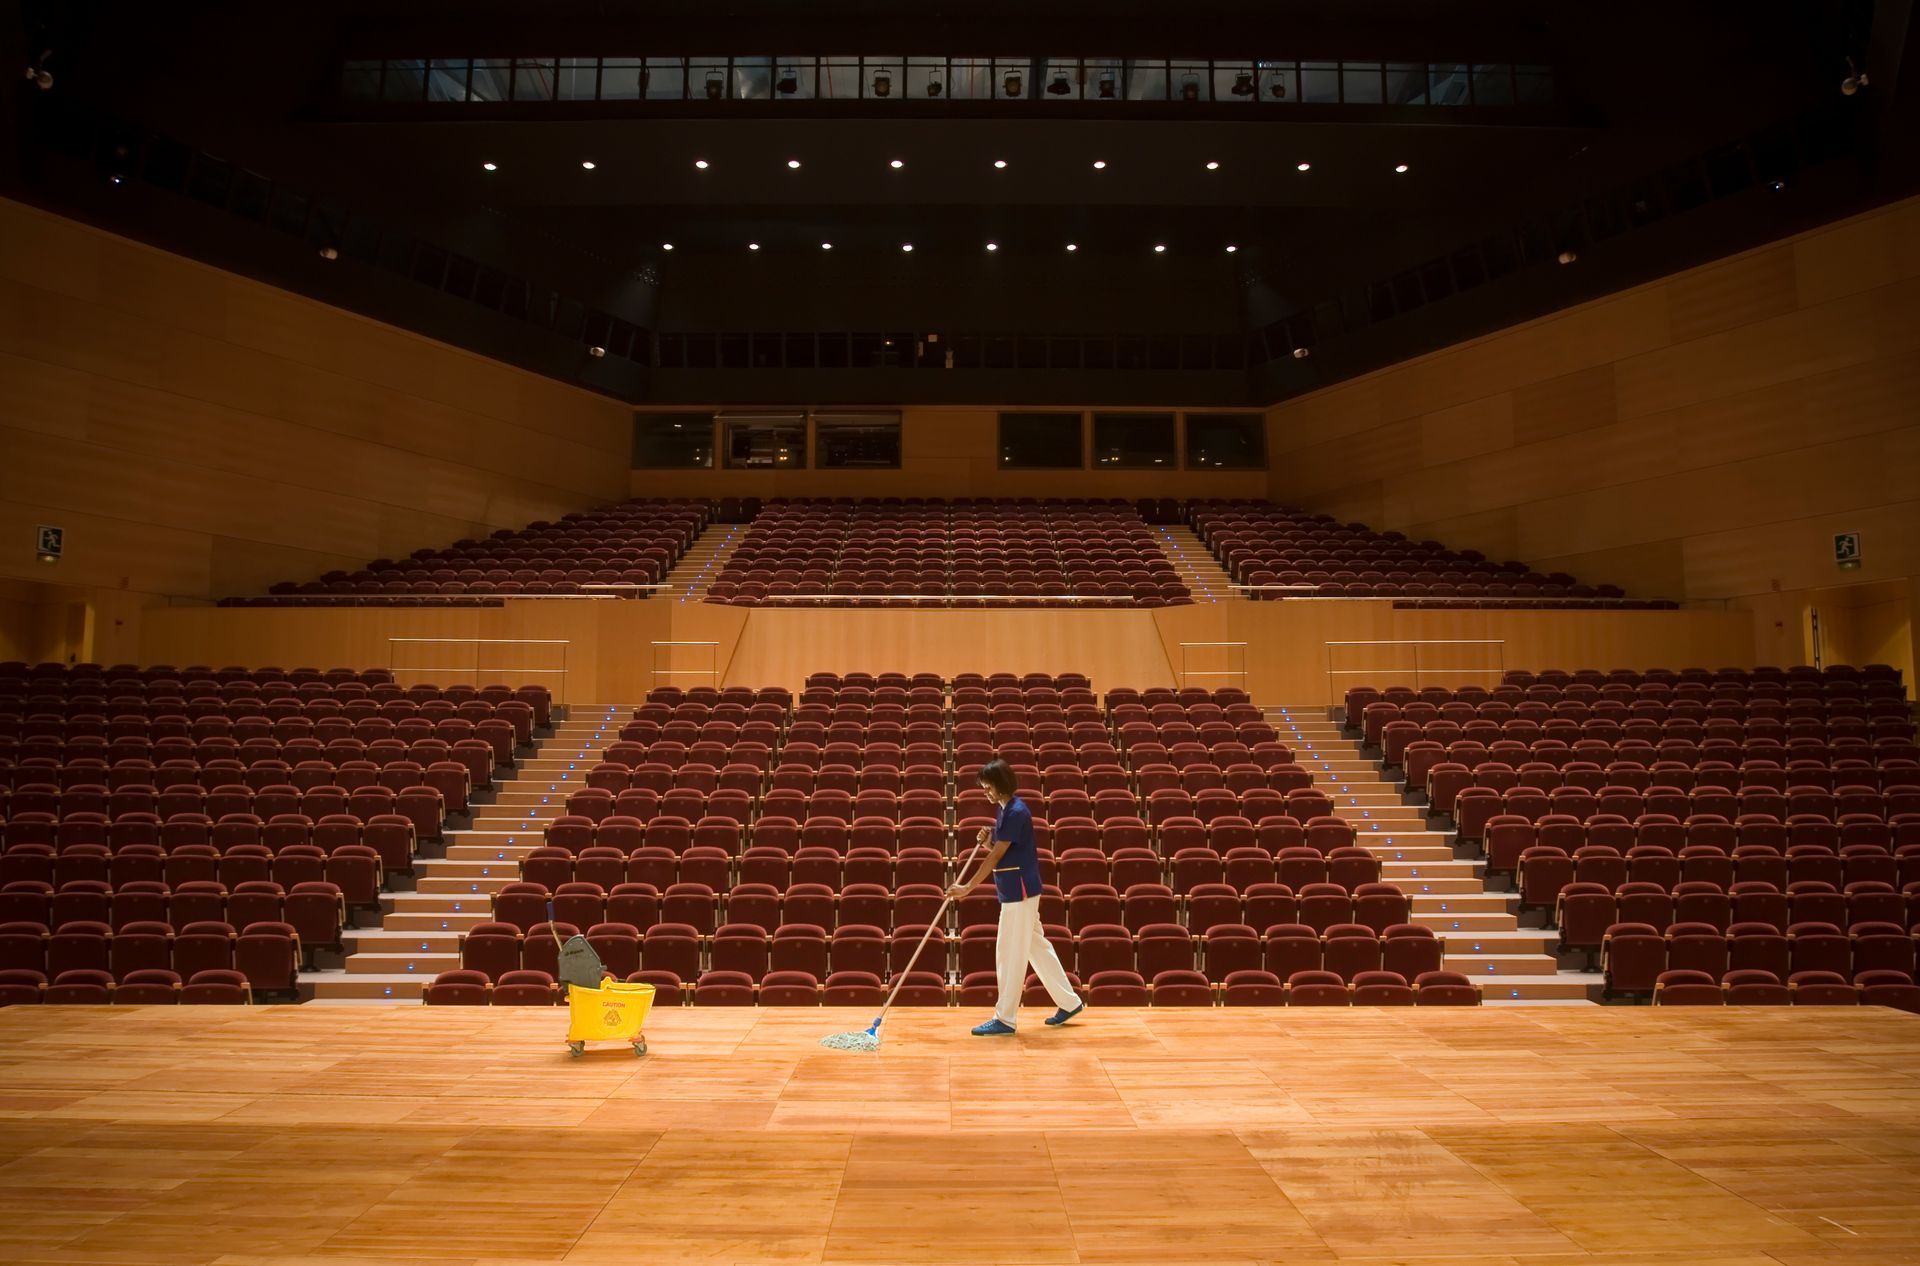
(314, 1136)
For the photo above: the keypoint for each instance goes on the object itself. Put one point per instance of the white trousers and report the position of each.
(1023, 940)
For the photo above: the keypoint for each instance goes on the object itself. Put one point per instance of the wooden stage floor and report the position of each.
(1538, 1137)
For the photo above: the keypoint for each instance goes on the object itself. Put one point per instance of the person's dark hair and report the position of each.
(998, 775)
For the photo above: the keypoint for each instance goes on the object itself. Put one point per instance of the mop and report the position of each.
(868, 1039)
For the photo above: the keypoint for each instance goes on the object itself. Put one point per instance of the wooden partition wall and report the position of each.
(199, 434)
(1701, 437)
(1278, 651)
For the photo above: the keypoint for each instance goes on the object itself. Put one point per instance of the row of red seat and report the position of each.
(526, 905)
(268, 954)
(1633, 955)
(720, 869)
(1754, 988)
(145, 988)
(357, 869)
(423, 796)
(316, 907)
(1583, 909)
(53, 673)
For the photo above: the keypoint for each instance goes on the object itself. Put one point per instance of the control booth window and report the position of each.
(1226, 441)
(673, 441)
(765, 441)
(1040, 441)
(1144, 440)
(867, 441)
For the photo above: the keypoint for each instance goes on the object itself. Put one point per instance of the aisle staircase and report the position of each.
(419, 932)
(1480, 927)
(1198, 570)
(698, 567)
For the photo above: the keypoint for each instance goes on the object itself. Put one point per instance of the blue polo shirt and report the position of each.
(1017, 874)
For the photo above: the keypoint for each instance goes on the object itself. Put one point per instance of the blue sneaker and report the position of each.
(1063, 1015)
(993, 1028)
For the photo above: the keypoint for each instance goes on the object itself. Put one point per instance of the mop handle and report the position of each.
(554, 930)
(928, 936)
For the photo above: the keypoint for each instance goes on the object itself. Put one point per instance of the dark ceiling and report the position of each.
(1648, 102)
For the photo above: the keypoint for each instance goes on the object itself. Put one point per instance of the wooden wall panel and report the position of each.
(199, 434)
(1700, 437)
(949, 452)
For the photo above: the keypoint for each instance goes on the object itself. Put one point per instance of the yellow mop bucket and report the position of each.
(614, 1012)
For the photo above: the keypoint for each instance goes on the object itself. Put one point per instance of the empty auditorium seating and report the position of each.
(924, 552)
(617, 551)
(1280, 551)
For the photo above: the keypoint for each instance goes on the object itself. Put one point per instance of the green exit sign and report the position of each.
(1846, 550)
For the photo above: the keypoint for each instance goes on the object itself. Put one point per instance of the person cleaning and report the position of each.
(1014, 862)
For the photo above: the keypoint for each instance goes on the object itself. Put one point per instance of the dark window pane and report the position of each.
(327, 225)
(1065, 353)
(673, 351)
(490, 288)
(1320, 82)
(672, 441)
(1032, 352)
(869, 440)
(167, 163)
(1226, 441)
(447, 79)
(700, 351)
(360, 81)
(766, 351)
(1163, 353)
(1406, 291)
(833, 351)
(1360, 83)
(290, 211)
(1493, 85)
(765, 440)
(1040, 441)
(1437, 281)
(429, 265)
(212, 181)
(1535, 84)
(251, 194)
(1000, 353)
(1122, 440)
(733, 351)
(532, 79)
(406, 81)
(800, 351)
(1468, 271)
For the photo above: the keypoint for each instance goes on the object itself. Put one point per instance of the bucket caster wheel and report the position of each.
(640, 1046)
(576, 1049)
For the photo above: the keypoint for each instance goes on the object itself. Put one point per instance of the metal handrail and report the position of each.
(1417, 669)
(476, 668)
(1229, 647)
(712, 670)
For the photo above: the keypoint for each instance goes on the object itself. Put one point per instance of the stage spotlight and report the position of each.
(896, 164)
(489, 167)
(1059, 85)
(883, 83)
(907, 247)
(1302, 166)
(700, 163)
(1277, 89)
(1856, 80)
(1567, 257)
(935, 87)
(1401, 168)
(586, 164)
(753, 246)
(666, 246)
(1159, 248)
(1013, 83)
(1212, 166)
(596, 351)
(1106, 86)
(999, 164)
(788, 83)
(328, 252)
(1243, 83)
(1301, 353)
(1071, 246)
(826, 246)
(793, 164)
(1190, 87)
(993, 246)
(716, 85)
(1099, 164)
(1232, 249)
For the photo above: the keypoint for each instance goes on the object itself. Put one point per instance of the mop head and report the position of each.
(861, 1040)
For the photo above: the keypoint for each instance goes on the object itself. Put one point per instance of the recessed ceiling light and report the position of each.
(1302, 166)
(1099, 164)
(1159, 248)
(906, 246)
(1232, 249)
(999, 162)
(1400, 167)
(793, 164)
(826, 246)
(587, 163)
(1072, 247)
(1212, 165)
(490, 166)
(701, 163)
(993, 246)
(666, 246)
(896, 164)
(753, 246)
